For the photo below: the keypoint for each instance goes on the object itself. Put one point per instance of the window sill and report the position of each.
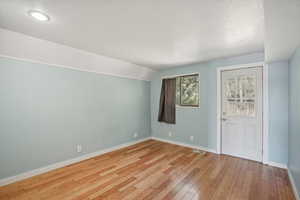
(189, 107)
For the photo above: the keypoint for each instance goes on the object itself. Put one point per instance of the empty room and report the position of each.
(154, 100)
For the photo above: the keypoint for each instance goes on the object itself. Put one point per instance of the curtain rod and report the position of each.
(178, 75)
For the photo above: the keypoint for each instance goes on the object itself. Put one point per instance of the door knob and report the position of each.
(224, 119)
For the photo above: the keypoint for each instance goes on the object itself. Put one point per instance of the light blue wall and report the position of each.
(294, 117)
(46, 111)
(278, 111)
(199, 122)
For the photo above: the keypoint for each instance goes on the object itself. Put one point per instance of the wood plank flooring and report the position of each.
(156, 170)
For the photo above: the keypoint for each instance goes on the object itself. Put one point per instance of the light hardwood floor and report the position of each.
(156, 170)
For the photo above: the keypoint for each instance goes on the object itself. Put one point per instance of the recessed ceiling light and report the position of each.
(39, 15)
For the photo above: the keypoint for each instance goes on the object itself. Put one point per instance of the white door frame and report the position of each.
(265, 105)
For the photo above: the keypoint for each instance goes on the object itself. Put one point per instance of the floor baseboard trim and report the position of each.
(275, 164)
(185, 145)
(22, 176)
(295, 190)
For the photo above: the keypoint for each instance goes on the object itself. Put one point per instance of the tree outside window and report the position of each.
(187, 90)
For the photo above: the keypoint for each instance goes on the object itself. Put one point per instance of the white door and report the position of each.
(242, 113)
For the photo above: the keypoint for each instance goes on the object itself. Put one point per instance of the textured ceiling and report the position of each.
(153, 33)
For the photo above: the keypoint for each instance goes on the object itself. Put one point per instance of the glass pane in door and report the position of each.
(240, 96)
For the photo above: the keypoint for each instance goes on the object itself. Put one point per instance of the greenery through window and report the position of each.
(187, 90)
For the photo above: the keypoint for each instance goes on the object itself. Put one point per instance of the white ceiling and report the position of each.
(152, 33)
(30, 49)
(282, 29)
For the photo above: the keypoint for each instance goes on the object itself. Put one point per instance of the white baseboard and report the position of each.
(295, 190)
(41, 170)
(275, 164)
(185, 145)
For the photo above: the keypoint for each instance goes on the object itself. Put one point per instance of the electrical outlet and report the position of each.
(192, 138)
(79, 148)
(135, 135)
(170, 134)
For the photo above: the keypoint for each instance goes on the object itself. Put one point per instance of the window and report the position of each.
(239, 94)
(187, 90)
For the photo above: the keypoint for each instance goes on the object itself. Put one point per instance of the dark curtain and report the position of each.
(167, 110)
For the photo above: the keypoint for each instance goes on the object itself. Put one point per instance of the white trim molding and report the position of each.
(265, 105)
(57, 165)
(178, 75)
(275, 164)
(295, 190)
(265, 113)
(26, 48)
(185, 144)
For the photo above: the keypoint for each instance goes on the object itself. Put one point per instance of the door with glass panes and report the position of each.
(242, 113)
